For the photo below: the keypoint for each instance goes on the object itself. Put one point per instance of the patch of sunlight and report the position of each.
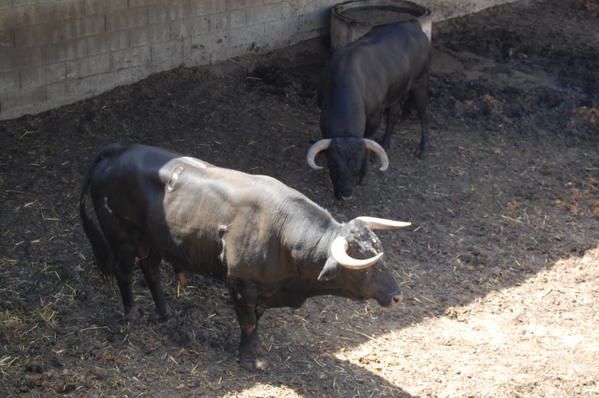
(536, 339)
(260, 390)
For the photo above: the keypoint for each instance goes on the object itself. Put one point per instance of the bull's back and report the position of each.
(206, 219)
(400, 47)
(379, 67)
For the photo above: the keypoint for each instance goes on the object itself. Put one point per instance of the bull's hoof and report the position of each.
(164, 317)
(422, 150)
(160, 317)
(133, 315)
(253, 364)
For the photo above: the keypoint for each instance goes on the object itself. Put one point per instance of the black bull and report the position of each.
(384, 72)
(272, 245)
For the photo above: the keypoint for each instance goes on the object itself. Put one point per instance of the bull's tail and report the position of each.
(100, 246)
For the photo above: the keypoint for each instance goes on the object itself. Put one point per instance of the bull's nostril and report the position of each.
(398, 298)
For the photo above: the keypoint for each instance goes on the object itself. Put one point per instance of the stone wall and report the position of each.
(54, 52)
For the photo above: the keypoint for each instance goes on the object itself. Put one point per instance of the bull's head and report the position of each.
(346, 160)
(355, 265)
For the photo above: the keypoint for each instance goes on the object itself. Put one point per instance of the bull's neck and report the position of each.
(307, 236)
(313, 263)
(310, 262)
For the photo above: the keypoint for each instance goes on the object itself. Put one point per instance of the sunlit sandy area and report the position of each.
(536, 339)
(540, 337)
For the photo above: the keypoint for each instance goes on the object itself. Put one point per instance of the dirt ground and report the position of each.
(500, 272)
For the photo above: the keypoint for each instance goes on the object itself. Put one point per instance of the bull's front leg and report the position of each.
(372, 125)
(244, 299)
(364, 168)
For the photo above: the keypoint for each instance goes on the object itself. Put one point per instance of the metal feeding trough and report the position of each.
(353, 19)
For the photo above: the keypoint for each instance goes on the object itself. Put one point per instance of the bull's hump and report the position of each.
(276, 194)
(269, 189)
(193, 162)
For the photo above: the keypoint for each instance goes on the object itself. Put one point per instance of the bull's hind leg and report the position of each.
(244, 299)
(420, 96)
(121, 243)
(123, 273)
(150, 265)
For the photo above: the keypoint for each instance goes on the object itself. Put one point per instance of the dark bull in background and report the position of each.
(272, 245)
(384, 73)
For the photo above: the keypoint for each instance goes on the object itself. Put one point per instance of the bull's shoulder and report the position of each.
(346, 56)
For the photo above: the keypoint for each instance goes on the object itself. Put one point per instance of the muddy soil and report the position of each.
(505, 210)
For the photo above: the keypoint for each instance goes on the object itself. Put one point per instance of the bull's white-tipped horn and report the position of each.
(379, 151)
(317, 147)
(339, 253)
(383, 224)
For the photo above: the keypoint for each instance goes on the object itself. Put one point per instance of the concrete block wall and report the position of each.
(54, 52)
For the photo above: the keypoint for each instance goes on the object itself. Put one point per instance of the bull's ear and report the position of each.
(329, 271)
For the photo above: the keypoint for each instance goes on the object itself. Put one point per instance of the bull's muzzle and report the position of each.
(392, 300)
